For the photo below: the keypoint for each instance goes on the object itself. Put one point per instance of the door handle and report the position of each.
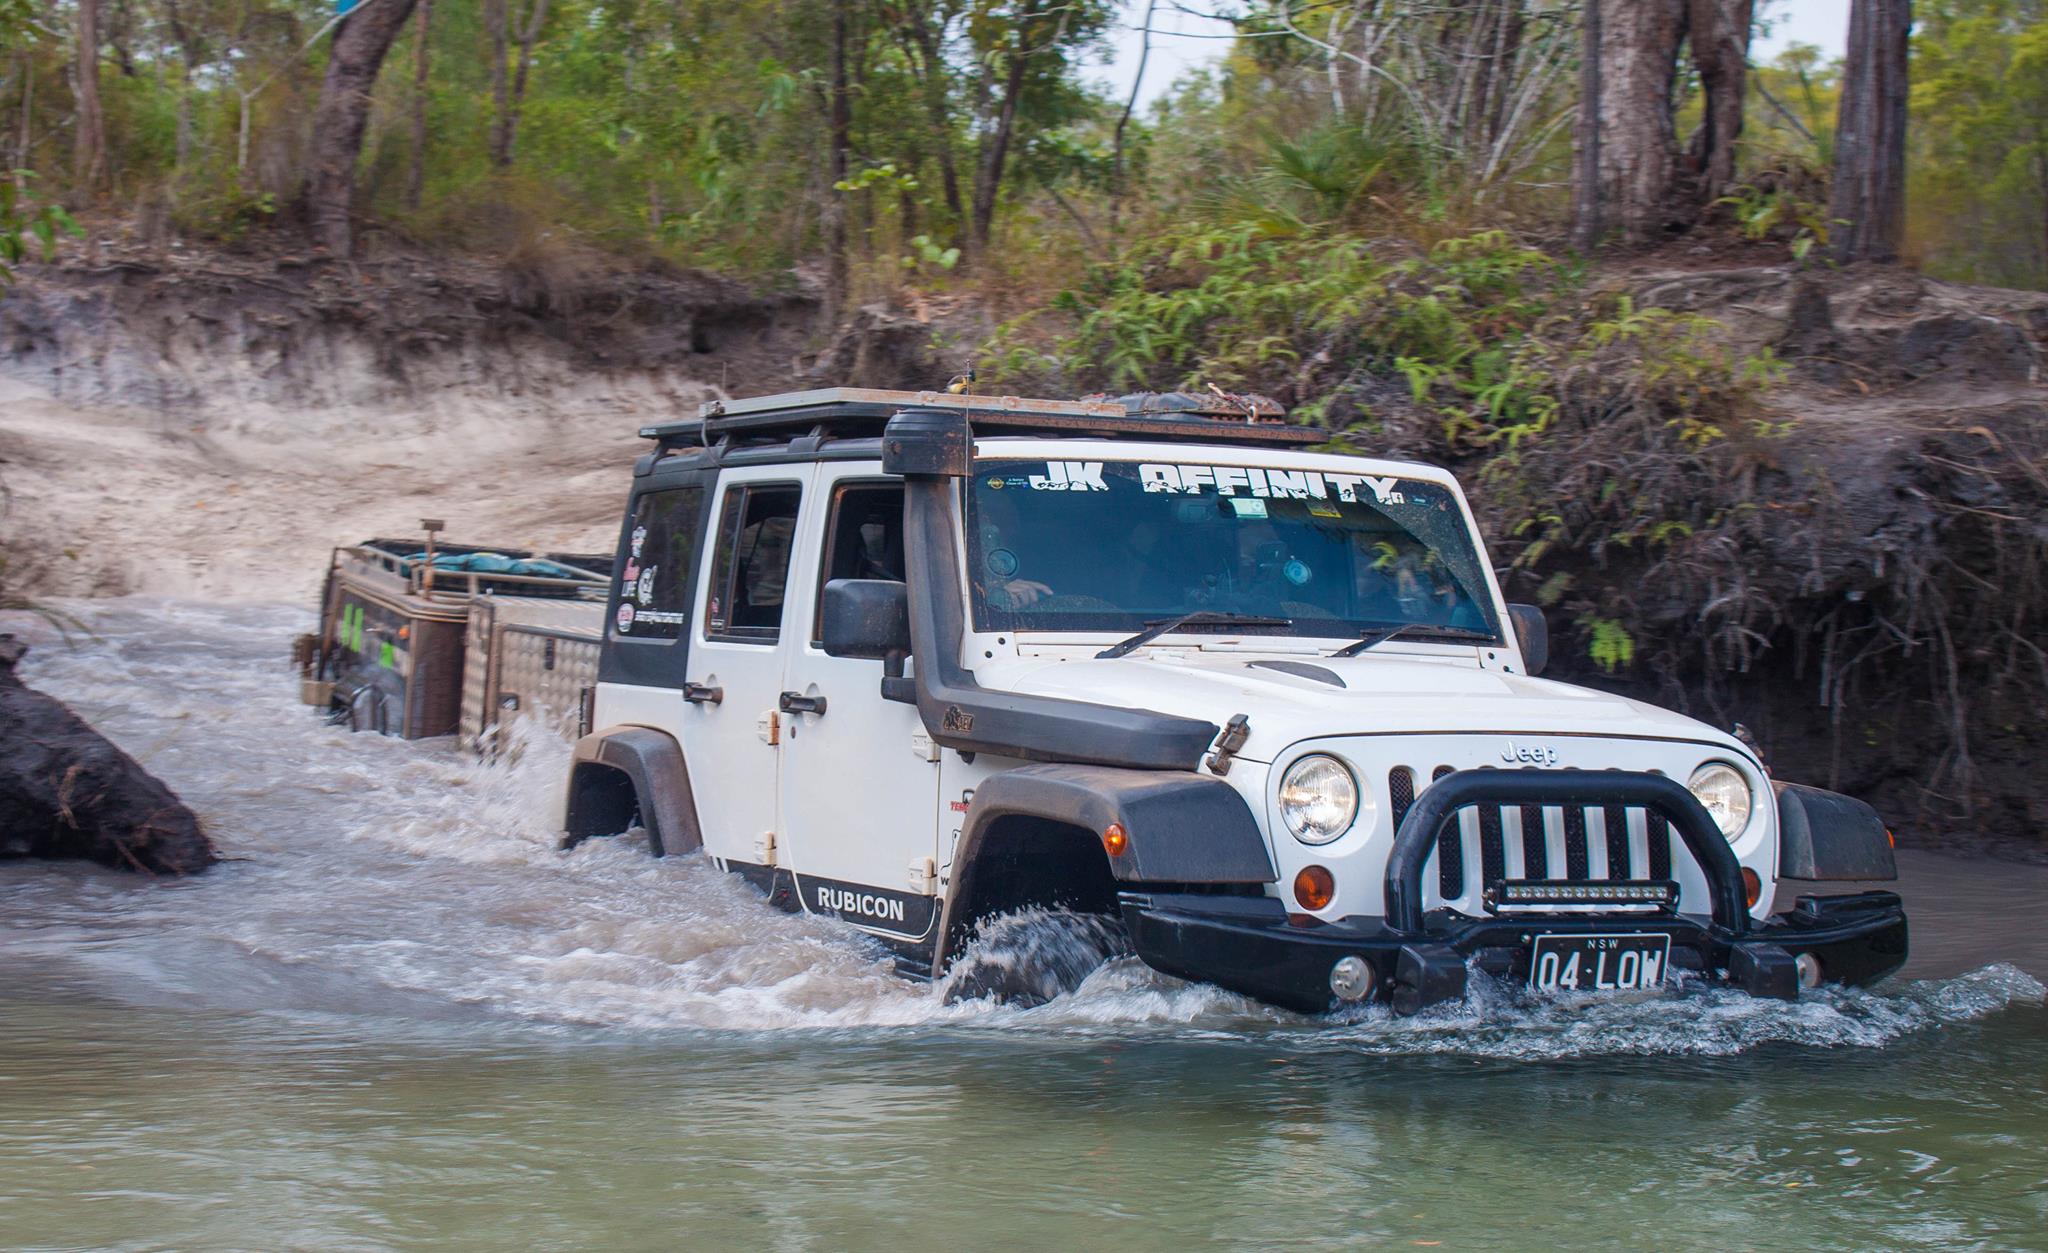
(698, 694)
(797, 703)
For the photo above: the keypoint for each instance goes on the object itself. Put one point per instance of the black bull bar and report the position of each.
(1256, 946)
(1441, 802)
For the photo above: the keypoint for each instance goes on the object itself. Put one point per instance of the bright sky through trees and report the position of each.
(1183, 39)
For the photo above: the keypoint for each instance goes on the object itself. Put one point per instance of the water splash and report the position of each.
(380, 877)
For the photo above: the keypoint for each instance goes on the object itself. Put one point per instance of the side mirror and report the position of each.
(866, 618)
(1533, 634)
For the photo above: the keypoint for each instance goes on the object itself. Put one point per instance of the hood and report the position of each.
(1288, 698)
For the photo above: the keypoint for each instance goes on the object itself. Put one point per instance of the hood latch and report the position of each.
(1235, 733)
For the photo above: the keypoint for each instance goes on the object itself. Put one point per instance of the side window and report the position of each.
(864, 537)
(751, 563)
(661, 553)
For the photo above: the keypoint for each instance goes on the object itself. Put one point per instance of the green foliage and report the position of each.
(27, 227)
(1608, 643)
(1776, 213)
(1491, 338)
(931, 254)
(1978, 195)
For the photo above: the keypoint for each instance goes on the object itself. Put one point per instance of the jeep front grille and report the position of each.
(1483, 832)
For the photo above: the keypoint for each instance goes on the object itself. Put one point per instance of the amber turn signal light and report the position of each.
(1115, 839)
(1752, 887)
(1315, 887)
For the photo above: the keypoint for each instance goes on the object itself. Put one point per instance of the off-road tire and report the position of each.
(1028, 958)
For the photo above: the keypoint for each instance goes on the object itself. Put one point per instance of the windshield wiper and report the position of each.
(1153, 630)
(1375, 636)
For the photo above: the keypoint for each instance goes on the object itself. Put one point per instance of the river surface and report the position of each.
(401, 1015)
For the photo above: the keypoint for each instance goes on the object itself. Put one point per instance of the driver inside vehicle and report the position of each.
(1138, 547)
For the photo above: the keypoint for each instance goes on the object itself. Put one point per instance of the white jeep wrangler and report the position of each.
(920, 661)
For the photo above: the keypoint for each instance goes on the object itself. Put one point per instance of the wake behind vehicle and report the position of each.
(924, 661)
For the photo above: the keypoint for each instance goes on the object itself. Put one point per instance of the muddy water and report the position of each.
(401, 1015)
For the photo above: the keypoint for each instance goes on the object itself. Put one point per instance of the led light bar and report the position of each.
(1545, 894)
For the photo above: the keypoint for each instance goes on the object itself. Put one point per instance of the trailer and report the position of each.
(421, 638)
(527, 657)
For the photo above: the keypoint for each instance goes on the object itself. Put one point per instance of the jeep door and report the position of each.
(727, 717)
(859, 780)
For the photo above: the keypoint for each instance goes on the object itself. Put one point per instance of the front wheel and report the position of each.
(1028, 958)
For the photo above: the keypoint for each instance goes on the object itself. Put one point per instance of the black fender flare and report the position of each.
(1826, 837)
(652, 762)
(1179, 827)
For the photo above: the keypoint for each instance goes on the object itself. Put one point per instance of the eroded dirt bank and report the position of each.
(211, 426)
(1864, 584)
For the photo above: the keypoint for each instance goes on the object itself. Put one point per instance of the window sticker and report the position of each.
(1258, 483)
(1247, 508)
(1069, 476)
(654, 570)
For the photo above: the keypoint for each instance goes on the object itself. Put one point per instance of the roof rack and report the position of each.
(848, 411)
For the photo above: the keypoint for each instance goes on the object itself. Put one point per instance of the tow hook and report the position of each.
(1235, 733)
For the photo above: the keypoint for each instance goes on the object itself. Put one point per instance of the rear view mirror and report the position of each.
(865, 618)
(1533, 634)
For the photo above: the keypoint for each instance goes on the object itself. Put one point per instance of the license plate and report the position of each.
(1599, 963)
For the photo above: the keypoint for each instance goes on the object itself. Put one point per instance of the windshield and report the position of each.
(1112, 546)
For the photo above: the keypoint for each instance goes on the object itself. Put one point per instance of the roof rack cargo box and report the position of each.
(390, 651)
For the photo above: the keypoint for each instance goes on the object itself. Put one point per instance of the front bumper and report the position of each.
(1250, 945)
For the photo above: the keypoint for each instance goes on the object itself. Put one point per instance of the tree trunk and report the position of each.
(1507, 53)
(89, 140)
(1116, 158)
(1869, 197)
(501, 85)
(988, 175)
(189, 55)
(932, 78)
(1586, 217)
(28, 112)
(1628, 145)
(509, 119)
(1719, 33)
(416, 172)
(839, 122)
(361, 42)
(508, 91)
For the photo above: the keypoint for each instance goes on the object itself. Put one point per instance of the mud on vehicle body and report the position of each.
(924, 661)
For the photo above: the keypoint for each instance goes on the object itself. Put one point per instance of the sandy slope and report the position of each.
(106, 501)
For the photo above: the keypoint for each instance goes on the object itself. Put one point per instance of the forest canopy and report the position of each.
(928, 142)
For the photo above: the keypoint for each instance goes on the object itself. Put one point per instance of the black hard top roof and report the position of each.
(855, 411)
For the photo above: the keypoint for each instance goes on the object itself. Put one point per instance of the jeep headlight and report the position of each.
(1319, 799)
(1724, 793)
